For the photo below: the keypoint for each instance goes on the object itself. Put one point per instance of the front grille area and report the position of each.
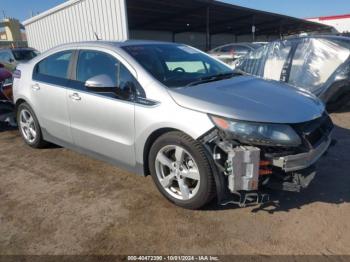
(316, 130)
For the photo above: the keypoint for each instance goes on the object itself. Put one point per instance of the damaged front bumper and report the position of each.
(303, 160)
(245, 170)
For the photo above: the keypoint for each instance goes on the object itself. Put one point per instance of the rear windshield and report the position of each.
(175, 65)
(24, 55)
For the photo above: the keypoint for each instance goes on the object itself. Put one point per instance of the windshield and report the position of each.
(24, 55)
(176, 65)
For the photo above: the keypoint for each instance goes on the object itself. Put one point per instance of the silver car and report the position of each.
(230, 52)
(173, 112)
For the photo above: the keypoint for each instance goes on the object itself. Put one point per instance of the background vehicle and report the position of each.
(5, 84)
(175, 113)
(6, 101)
(319, 64)
(10, 57)
(230, 52)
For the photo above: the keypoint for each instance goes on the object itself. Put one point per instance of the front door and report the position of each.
(102, 122)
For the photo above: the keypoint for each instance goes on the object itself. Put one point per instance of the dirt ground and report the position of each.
(55, 201)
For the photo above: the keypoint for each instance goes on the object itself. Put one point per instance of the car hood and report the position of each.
(250, 99)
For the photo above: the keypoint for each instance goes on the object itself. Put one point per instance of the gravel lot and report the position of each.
(55, 201)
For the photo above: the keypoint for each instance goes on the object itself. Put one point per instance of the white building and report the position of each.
(201, 23)
(340, 22)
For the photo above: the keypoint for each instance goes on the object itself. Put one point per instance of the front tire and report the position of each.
(29, 127)
(181, 171)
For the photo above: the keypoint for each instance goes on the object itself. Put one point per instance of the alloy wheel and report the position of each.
(27, 125)
(177, 172)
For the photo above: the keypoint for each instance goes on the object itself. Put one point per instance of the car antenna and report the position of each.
(95, 33)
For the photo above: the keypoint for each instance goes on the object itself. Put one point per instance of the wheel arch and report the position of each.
(18, 103)
(150, 141)
(22, 100)
(219, 179)
(220, 184)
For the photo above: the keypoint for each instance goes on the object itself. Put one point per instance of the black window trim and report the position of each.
(74, 84)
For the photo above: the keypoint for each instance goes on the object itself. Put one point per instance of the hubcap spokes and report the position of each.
(28, 126)
(177, 172)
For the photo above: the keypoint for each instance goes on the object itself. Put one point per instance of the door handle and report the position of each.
(75, 96)
(36, 87)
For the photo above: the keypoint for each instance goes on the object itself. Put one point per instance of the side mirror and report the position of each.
(101, 84)
(11, 60)
(104, 84)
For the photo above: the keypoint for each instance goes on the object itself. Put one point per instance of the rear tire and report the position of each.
(29, 127)
(181, 171)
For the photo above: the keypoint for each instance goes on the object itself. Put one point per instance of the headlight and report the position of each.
(258, 133)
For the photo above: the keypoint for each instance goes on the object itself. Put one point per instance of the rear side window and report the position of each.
(24, 55)
(241, 48)
(5, 56)
(227, 49)
(54, 67)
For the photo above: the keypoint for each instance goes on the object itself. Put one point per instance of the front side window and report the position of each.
(54, 66)
(95, 63)
(176, 65)
(116, 80)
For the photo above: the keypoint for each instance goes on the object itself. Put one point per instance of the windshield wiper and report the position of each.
(213, 78)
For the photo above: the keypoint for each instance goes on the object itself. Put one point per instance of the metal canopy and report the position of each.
(212, 17)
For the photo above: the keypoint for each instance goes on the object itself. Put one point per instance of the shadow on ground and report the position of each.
(6, 127)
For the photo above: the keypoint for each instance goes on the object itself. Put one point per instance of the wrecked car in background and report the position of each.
(173, 112)
(11, 57)
(318, 64)
(5, 84)
(6, 99)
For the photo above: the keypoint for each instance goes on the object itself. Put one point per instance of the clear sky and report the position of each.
(22, 9)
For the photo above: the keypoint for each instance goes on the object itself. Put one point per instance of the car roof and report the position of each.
(114, 44)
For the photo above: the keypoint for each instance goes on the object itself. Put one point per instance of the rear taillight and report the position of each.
(17, 74)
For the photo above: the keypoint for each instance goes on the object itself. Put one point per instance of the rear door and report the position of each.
(48, 95)
(102, 122)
